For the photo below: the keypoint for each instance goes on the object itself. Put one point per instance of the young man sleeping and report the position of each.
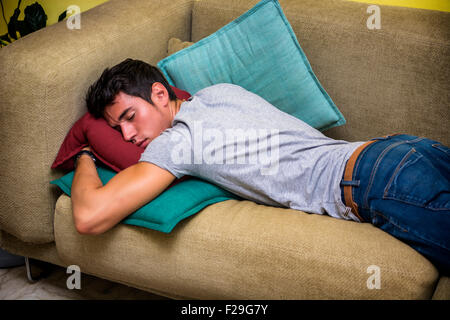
(399, 183)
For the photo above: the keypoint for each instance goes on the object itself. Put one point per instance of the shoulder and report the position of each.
(220, 88)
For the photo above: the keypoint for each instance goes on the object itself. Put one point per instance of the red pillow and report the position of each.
(106, 143)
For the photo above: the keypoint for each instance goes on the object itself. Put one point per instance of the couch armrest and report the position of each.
(43, 79)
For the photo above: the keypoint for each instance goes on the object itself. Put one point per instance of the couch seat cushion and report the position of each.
(242, 250)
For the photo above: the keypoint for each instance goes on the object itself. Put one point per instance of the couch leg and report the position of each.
(34, 278)
(29, 274)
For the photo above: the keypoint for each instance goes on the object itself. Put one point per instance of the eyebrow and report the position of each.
(124, 113)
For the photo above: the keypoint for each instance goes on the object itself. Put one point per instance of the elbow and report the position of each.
(84, 223)
(85, 216)
(83, 228)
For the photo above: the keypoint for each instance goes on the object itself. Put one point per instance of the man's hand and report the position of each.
(97, 208)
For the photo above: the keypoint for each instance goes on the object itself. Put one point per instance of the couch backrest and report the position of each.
(389, 80)
(44, 77)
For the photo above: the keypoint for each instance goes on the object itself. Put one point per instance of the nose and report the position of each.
(128, 132)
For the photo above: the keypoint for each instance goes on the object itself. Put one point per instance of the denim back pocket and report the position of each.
(416, 181)
(442, 148)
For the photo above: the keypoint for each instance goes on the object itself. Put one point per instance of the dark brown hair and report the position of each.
(133, 77)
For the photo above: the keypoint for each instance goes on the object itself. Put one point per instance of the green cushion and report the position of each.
(170, 207)
(259, 52)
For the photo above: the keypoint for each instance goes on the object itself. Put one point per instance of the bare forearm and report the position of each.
(97, 208)
(86, 177)
(84, 186)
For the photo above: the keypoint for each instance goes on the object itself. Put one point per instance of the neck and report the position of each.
(175, 107)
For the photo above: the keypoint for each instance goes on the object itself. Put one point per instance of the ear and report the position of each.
(159, 94)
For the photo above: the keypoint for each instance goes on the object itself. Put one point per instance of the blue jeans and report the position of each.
(402, 186)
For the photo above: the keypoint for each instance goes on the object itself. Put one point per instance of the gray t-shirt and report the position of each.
(235, 139)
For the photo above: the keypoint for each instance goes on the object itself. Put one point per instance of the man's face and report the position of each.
(139, 121)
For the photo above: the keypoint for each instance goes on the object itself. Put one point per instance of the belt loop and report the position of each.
(353, 183)
(348, 181)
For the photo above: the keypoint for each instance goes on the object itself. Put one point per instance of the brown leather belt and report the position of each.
(348, 176)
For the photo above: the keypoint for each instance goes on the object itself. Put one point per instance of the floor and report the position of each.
(14, 285)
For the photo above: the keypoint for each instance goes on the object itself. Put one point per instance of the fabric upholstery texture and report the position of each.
(45, 252)
(176, 44)
(305, 257)
(391, 80)
(442, 291)
(42, 92)
(259, 52)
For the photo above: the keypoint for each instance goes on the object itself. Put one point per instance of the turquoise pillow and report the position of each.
(259, 52)
(170, 207)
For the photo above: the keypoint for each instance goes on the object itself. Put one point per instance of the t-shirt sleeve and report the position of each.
(171, 151)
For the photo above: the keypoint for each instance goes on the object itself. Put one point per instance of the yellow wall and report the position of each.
(52, 8)
(441, 5)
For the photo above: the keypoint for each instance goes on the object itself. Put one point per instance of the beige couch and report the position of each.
(384, 81)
